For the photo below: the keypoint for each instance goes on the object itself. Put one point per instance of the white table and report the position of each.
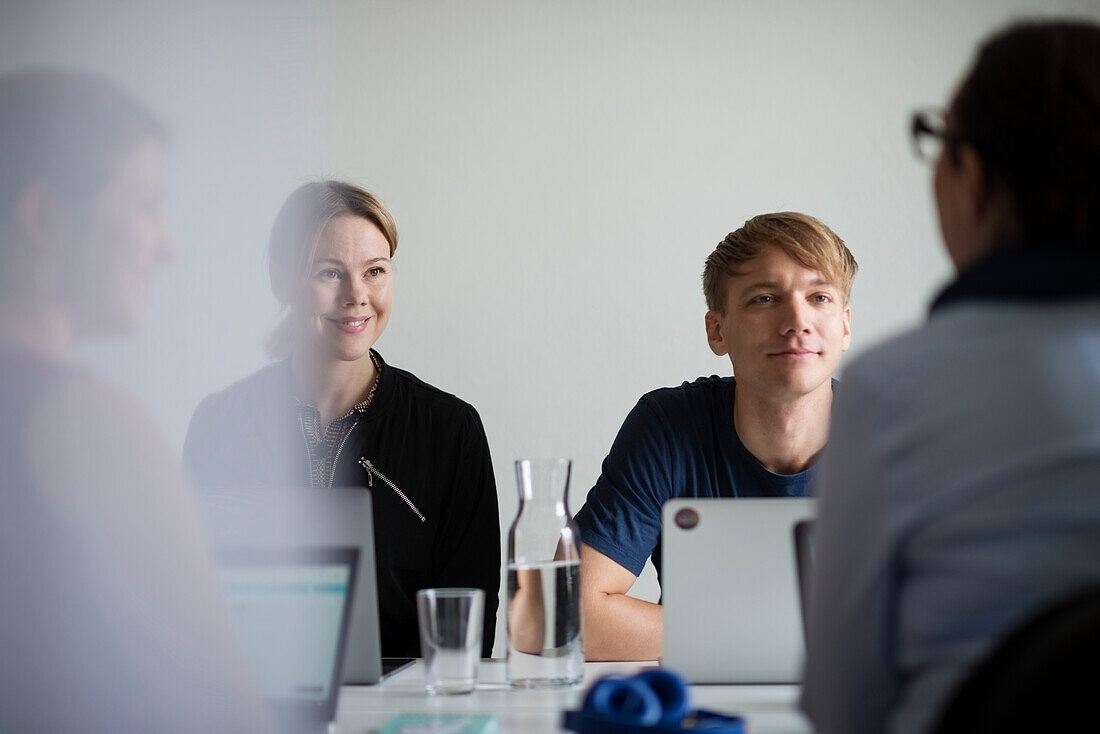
(769, 709)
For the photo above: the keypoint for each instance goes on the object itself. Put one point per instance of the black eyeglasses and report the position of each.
(930, 134)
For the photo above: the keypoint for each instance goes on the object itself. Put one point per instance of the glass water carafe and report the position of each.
(544, 580)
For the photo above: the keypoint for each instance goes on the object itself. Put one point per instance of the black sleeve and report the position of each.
(243, 438)
(467, 551)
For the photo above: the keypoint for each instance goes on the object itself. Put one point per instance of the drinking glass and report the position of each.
(450, 638)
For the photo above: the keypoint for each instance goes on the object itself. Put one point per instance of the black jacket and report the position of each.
(428, 444)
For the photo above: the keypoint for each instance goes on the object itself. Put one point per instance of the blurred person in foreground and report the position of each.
(960, 493)
(331, 412)
(111, 618)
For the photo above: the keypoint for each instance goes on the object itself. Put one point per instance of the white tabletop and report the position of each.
(364, 709)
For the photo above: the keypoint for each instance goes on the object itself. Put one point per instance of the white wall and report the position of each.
(559, 171)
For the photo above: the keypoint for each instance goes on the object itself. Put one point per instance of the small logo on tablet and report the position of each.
(686, 518)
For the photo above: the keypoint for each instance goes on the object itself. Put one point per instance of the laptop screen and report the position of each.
(292, 517)
(292, 608)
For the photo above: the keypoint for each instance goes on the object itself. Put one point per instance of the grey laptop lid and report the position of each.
(292, 607)
(281, 517)
(730, 589)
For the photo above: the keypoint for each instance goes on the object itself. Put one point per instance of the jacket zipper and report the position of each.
(373, 470)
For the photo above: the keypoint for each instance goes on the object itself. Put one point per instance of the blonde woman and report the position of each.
(332, 412)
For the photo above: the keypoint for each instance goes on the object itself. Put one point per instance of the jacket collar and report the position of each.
(385, 383)
(1043, 276)
(381, 395)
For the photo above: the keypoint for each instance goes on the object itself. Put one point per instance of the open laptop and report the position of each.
(318, 518)
(729, 589)
(292, 608)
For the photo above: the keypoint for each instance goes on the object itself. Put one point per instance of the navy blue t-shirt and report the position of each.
(676, 442)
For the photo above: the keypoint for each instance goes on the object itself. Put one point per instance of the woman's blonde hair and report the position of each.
(297, 231)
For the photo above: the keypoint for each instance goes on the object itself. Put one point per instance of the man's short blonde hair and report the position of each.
(801, 237)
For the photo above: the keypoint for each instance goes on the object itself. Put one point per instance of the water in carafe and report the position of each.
(545, 648)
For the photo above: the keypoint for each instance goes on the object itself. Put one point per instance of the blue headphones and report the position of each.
(651, 702)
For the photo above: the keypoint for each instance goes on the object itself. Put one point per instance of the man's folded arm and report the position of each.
(616, 626)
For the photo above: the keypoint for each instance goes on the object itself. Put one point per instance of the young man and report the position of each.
(777, 292)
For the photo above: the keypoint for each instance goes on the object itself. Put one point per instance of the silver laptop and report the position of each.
(284, 517)
(292, 607)
(729, 587)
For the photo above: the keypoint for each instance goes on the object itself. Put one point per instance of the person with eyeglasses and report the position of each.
(960, 491)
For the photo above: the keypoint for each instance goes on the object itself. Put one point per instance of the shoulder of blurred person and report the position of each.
(114, 558)
(80, 441)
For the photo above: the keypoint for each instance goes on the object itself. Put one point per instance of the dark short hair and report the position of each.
(68, 129)
(1030, 107)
